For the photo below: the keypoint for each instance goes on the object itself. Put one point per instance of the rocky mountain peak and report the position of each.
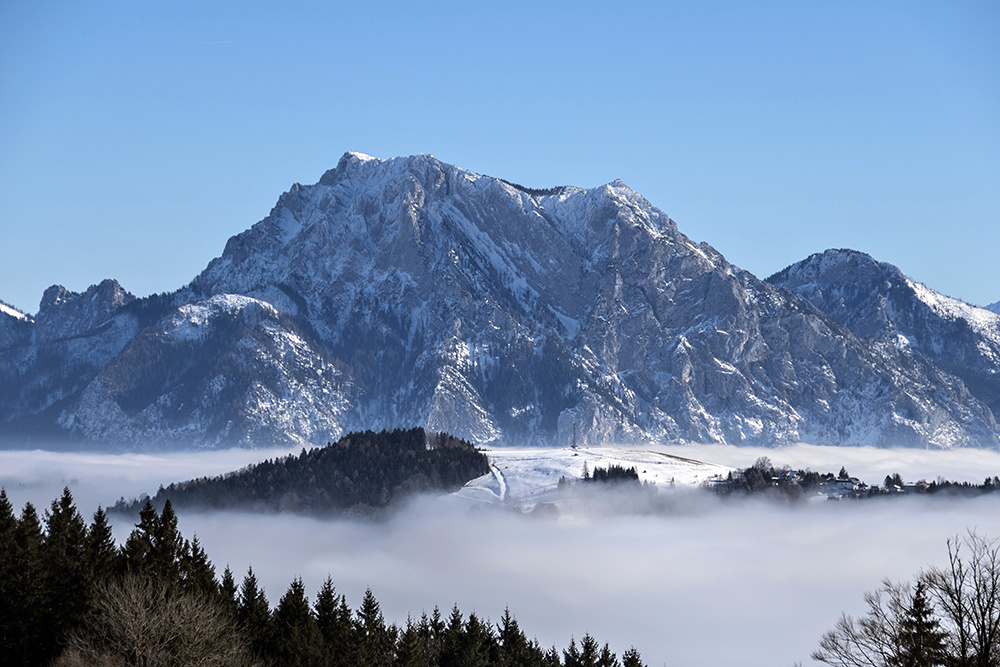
(410, 292)
(62, 313)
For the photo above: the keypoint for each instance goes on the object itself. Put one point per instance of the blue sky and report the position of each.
(135, 138)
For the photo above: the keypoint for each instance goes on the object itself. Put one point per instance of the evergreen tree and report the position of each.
(65, 577)
(103, 557)
(298, 642)
(571, 655)
(477, 643)
(552, 658)
(452, 639)
(921, 640)
(513, 646)
(375, 641)
(333, 618)
(197, 573)
(410, 649)
(432, 631)
(589, 651)
(228, 592)
(607, 658)
(253, 615)
(27, 590)
(8, 527)
(631, 658)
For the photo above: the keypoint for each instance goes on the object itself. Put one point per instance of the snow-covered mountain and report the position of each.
(879, 303)
(412, 292)
(994, 307)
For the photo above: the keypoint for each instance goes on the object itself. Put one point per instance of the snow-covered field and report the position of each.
(695, 583)
(526, 476)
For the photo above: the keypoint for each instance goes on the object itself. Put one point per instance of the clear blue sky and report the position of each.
(136, 137)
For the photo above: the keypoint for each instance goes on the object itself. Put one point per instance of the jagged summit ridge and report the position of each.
(411, 292)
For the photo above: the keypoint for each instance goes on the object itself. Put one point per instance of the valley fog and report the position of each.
(705, 582)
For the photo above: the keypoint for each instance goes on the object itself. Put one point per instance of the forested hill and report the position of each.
(360, 473)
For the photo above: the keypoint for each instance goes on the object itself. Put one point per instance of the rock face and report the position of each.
(409, 292)
(882, 305)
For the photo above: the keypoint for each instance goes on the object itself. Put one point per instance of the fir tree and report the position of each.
(921, 640)
(65, 579)
(607, 658)
(103, 557)
(514, 646)
(26, 589)
(410, 649)
(228, 592)
(571, 655)
(8, 527)
(197, 572)
(253, 615)
(631, 658)
(477, 642)
(375, 641)
(298, 642)
(333, 618)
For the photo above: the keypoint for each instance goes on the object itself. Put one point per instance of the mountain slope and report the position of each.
(409, 292)
(878, 302)
(465, 303)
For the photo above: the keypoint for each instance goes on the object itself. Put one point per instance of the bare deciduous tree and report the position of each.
(136, 622)
(902, 629)
(872, 640)
(968, 594)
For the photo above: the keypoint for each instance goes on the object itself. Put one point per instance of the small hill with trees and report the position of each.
(359, 474)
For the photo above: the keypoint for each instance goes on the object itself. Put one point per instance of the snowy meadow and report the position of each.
(704, 582)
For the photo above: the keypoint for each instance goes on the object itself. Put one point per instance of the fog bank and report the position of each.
(701, 583)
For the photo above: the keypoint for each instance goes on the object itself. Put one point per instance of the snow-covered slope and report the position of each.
(994, 307)
(879, 303)
(523, 477)
(15, 326)
(408, 292)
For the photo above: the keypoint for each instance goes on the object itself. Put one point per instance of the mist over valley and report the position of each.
(703, 582)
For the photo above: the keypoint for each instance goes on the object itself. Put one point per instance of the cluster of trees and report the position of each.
(763, 478)
(950, 617)
(359, 473)
(612, 474)
(69, 597)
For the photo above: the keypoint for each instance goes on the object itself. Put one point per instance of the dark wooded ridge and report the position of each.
(359, 474)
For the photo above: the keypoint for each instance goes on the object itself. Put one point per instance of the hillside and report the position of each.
(360, 473)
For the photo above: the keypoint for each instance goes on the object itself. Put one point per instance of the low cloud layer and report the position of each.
(701, 583)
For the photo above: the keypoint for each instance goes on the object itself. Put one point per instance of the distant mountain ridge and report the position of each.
(409, 292)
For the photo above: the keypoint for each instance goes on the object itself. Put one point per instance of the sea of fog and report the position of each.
(701, 583)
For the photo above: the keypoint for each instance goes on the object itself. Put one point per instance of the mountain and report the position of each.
(409, 292)
(882, 305)
(994, 307)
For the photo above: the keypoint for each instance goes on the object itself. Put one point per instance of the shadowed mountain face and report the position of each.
(410, 292)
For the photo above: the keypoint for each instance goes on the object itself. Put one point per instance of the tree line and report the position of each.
(791, 484)
(70, 596)
(359, 474)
